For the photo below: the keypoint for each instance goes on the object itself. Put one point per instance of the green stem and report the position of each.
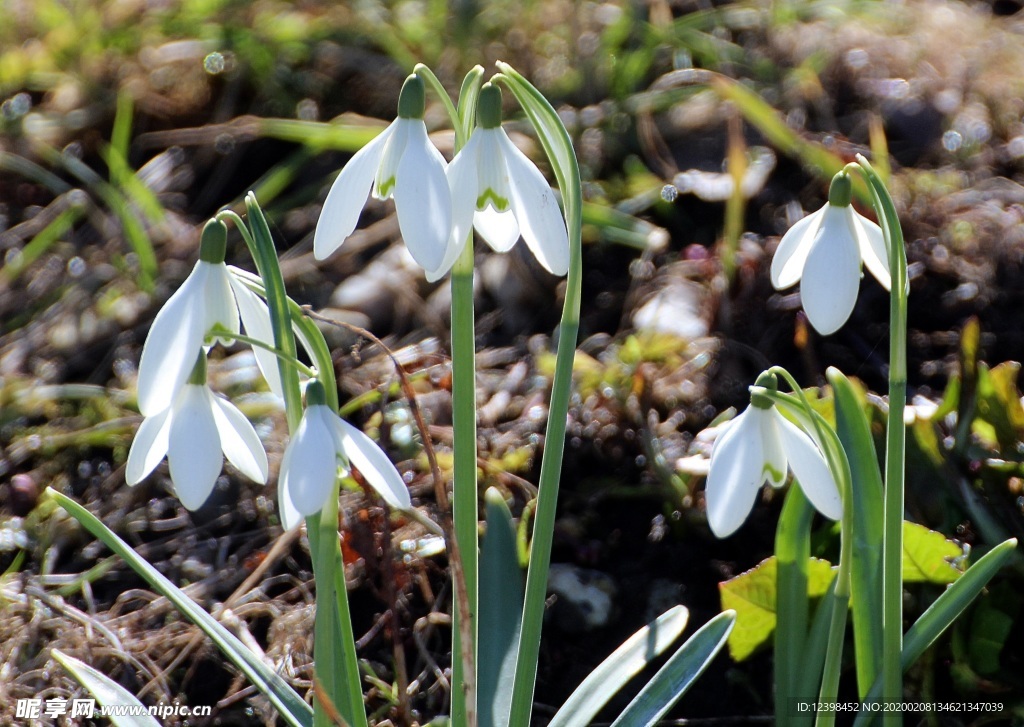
(259, 343)
(464, 552)
(895, 450)
(465, 500)
(558, 147)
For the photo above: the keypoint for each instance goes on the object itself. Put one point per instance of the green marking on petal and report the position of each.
(384, 190)
(489, 195)
(773, 473)
(198, 375)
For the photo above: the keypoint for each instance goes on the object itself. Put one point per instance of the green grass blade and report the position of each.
(773, 126)
(291, 706)
(624, 663)
(866, 586)
(46, 237)
(678, 674)
(501, 614)
(793, 682)
(106, 691)
(943, 612)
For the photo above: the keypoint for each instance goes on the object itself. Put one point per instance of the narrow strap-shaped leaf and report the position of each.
(866, 575)
(943, 612)
(624, 663)
(291, 706)
(106, 691)
(501, 614)
(793, 682)
(678, 674)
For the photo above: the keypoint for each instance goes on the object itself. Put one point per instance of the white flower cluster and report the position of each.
(195, 429)
(490, 186)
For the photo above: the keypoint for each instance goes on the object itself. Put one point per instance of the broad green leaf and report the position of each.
(501, 613)
(854, 432)
(293, 709)
(678, 674)
(943, 611)
(752, 595)
(106, 691)
(624, 663)
(928, 556)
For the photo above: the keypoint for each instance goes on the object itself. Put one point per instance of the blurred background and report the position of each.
(703, 131)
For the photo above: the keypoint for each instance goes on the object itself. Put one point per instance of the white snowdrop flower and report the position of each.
(211, 299)
(195, 432)
(400, 162)
(824, 253)
(322, 442)
(497, 190)
(761, 445)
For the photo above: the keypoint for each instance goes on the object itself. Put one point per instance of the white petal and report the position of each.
(422, 199)
(364, 454)
(173, 344)
(499, 229)
(194, 451)
(872, 247)
(536, 209)
(256, 320)
(831, 278)
(736, 473)
(239, 441)
(387, 173)
(462, 185)
(313, 462)
(809, 468)
(290, 515)
(148, 447)
(790, 256)
(348, 194)
(776, 465)
(219, 308)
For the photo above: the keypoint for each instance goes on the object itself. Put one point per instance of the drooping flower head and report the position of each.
(498, 191)
(824, 253)
(195, 432)
(401, 163)
(322, 443)
(210, 300)
(759, 446)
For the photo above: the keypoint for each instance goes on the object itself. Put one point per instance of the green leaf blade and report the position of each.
(679, 673)
(622, 665)
(106, 691)
(293, 709)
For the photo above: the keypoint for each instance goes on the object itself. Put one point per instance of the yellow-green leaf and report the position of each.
(752, 595)
(928, 556)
